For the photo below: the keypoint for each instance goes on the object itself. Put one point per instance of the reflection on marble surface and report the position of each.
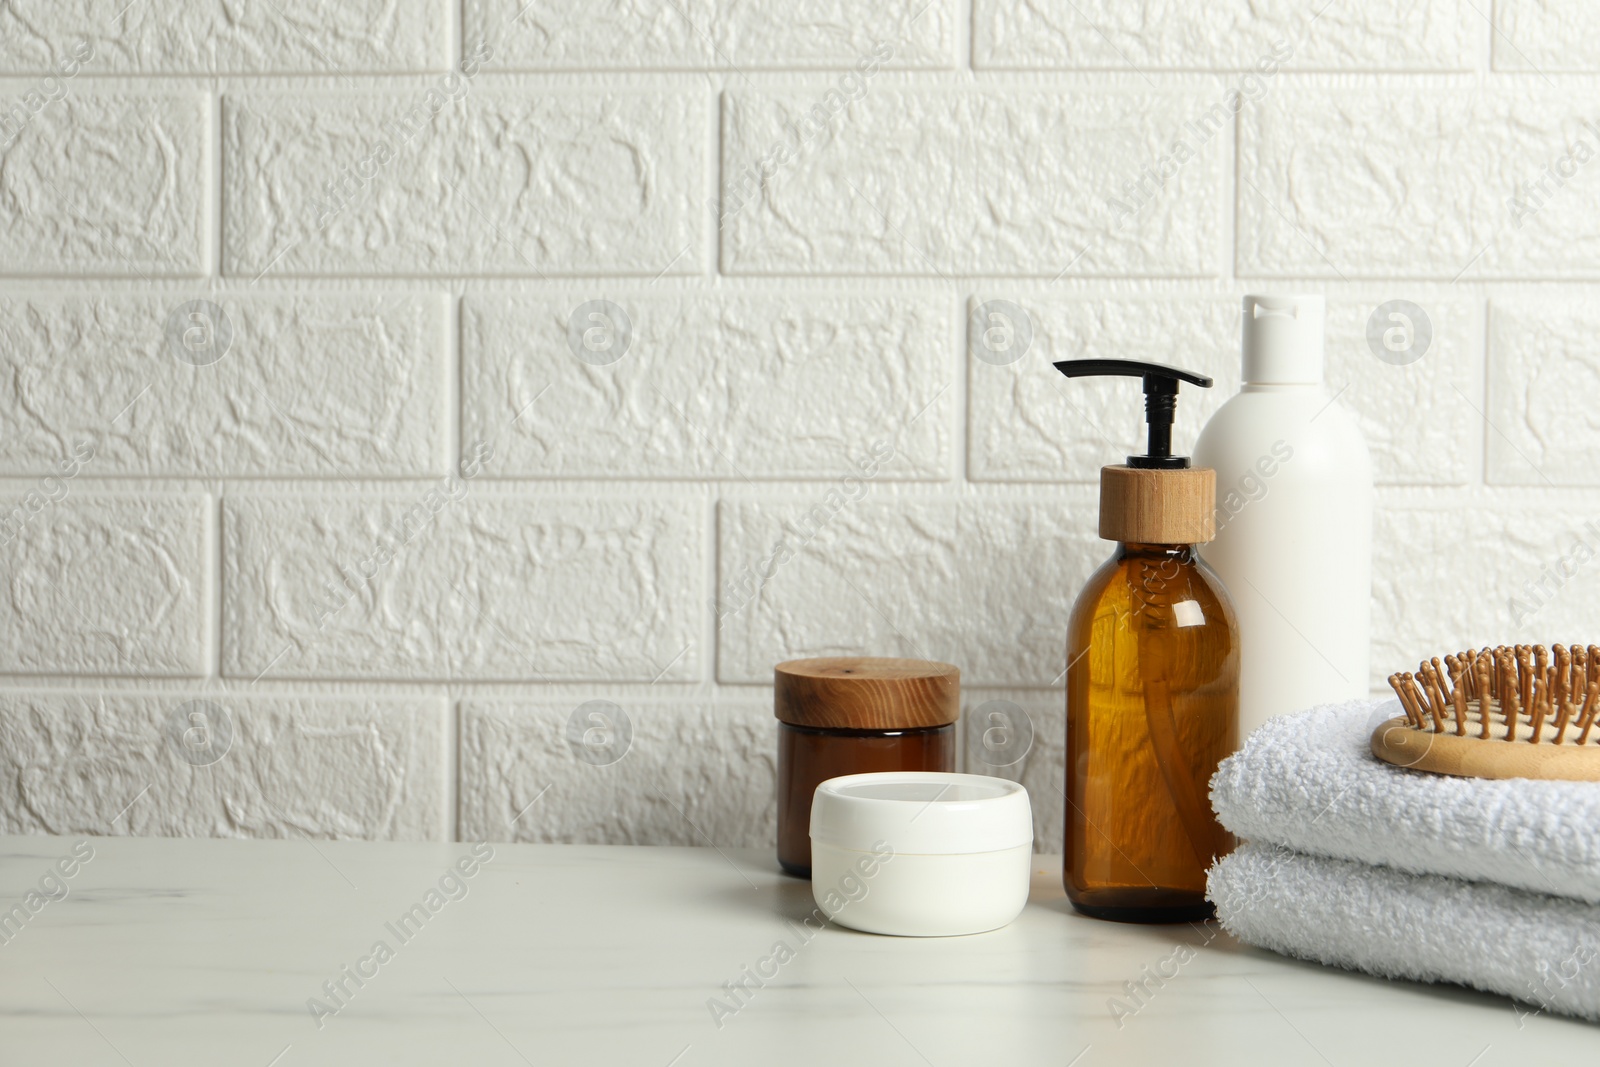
(187, 951)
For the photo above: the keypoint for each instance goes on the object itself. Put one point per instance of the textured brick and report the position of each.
(483, 587)
(318, 386)
(1417, 183)
(1225, 34)
(523, 183)
(291, 766)
(212, 36)
(709, 387)
(985, 584)
(709, 34)
(1546, 35)
(938, 181)
(1544, 354)
(1466, 569)
(1028, 423)
(694, 774)
(101, 583)
(105, 183)
(1422, 420)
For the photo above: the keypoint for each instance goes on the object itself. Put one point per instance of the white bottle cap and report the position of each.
(1282, 340)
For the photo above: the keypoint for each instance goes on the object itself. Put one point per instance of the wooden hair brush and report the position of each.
(1509, 712)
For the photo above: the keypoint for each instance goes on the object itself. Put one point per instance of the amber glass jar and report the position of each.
(1152, 708)
(853, 715)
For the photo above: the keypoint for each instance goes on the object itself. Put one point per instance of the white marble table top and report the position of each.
(176, 952)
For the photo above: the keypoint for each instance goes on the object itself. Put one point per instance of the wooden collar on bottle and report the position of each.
(1158, 507)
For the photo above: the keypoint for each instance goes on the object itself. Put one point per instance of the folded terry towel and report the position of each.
(1538, 949)
(1309, 782)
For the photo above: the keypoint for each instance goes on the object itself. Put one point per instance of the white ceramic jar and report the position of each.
(921, 853)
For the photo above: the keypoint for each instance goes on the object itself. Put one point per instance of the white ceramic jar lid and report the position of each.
(929, 813)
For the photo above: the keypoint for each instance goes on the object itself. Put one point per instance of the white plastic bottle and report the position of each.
(1294, 518)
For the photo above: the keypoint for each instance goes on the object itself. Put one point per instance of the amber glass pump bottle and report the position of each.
(1152, 682)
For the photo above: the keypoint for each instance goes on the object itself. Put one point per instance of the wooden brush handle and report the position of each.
(1398, 742)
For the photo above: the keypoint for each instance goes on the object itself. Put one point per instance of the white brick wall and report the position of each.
(211, 37)
(104, 583)
(1359, 181)
(707, 34)
(311, 386)
(684, 288)
(82, 763)
(446, 584)
(893, 187)
(497, 183)
(712, 386)
(1223, 34)
(104, 182)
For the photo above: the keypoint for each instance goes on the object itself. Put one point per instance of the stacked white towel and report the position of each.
(1405, 874)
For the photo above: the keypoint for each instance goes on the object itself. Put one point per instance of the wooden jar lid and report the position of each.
(1158, 507)
(865, 693)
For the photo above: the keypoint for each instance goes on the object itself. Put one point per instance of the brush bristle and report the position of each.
(1551, 696)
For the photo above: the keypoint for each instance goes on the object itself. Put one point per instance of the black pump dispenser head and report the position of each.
(1160, 402)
